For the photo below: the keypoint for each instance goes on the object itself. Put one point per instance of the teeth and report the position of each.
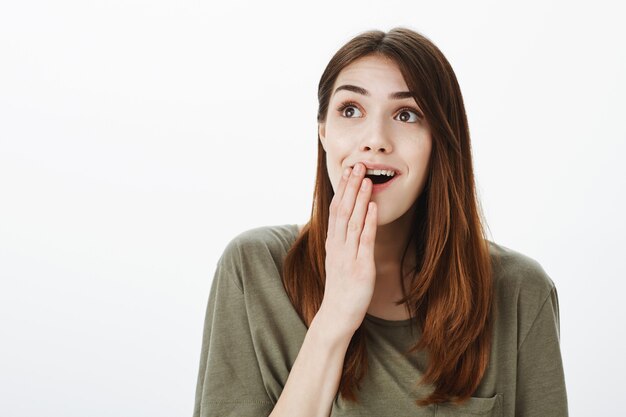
(380, 172)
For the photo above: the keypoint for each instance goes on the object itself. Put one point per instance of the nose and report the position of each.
(383, 149)
(376, 140)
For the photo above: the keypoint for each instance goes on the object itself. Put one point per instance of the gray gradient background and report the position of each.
(138, 137)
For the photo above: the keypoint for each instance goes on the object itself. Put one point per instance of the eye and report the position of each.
(347, 105)
(408, 110)
(352, 107)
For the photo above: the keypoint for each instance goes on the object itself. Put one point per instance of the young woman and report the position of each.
(390, 301)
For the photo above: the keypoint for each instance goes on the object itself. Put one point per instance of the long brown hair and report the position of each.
(451, 292)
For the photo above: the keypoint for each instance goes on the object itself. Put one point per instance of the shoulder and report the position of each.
(272, 238)
(519, 280)
(256, 249)
(515, 269)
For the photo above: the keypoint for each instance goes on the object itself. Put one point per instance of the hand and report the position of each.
(350, 267)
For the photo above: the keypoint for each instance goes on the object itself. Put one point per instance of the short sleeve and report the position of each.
(540, 389)
(229, 379)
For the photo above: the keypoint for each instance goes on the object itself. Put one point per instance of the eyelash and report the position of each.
(347, 104)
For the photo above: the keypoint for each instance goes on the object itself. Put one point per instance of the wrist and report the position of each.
(331, 329)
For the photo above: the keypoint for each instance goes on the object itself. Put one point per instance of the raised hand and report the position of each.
(350, 267)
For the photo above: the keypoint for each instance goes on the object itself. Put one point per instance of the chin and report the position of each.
(385, 218)
(388, 215)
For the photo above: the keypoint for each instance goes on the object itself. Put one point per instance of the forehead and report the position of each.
(379, 75)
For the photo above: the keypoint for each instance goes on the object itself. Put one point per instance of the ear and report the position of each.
(321, 131)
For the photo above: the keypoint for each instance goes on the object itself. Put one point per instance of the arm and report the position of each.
(540, 389)
(350, 269)
(229, 380)
(313, 381)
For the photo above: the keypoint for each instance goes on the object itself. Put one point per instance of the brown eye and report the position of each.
(347, 109)
(405, 116)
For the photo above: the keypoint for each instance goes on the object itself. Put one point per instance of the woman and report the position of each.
(390, 301)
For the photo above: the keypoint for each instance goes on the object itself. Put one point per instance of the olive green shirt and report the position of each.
(252, 336)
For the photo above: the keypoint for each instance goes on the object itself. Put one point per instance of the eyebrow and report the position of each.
(399, 95)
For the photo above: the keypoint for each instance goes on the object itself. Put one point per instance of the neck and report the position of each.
(391, 239)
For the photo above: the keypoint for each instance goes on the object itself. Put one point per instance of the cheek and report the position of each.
(334, 173)
(420, 153)
(335, 161)
(338, 150)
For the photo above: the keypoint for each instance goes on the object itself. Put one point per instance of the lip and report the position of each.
(376, 188)
(372, 165)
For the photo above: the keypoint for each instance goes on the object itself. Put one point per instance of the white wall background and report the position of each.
(138, 137)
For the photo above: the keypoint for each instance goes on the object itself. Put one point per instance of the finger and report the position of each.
(346, 206)
(357, 220)
(368, 236)
(334, 204)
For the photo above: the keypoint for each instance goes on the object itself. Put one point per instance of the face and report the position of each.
(377, 129)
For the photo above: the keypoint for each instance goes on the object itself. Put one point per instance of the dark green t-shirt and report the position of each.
(252, 336)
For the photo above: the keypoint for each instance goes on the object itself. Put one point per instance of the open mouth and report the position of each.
(379, 179)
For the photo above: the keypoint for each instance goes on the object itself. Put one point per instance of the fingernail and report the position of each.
(358, 168)
(364, 184)
(346, 173)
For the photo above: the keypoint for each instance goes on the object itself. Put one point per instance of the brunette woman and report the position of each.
(390, 301)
